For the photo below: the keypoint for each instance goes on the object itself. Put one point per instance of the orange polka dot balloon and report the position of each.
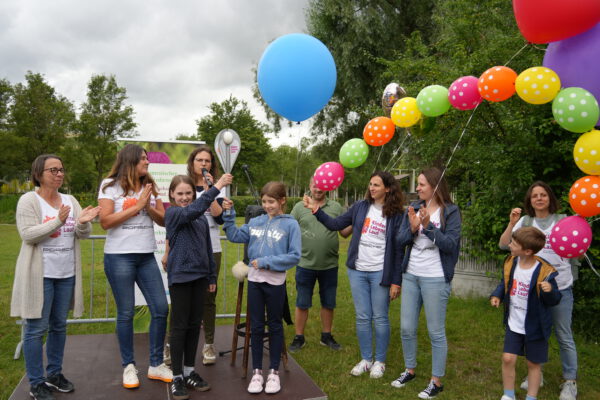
(379, 131)
(497, 83)
(584, 196)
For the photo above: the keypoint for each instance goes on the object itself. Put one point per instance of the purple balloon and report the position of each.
(576, 60)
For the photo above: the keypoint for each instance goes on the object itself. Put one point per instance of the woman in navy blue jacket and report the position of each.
(430, 232)
(373, 264)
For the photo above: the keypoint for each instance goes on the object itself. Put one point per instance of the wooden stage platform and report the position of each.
(92, 363)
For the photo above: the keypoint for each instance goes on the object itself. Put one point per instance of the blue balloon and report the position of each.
(296, 76)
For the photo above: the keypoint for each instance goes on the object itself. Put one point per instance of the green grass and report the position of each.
(474, 330)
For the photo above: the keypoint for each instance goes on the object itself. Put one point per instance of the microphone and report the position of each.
(206, 178)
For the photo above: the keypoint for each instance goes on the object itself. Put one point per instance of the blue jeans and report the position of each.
(433, 293)
(561, 318)
(371, 303)
(122, 271)
(58, 294)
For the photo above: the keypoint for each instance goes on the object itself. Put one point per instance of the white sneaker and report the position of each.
(130, 378)
(208, 354)
(377, 370)
(525, 383)
(256, 384)
(160, 373)
(273, 385)
(568, 390)
(360, 368)
(505, 397)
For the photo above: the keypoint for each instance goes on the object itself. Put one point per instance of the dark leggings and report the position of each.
(261, 295)
(186, 313)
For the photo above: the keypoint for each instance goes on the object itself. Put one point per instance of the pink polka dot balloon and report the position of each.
(329, 176)
(463, 93)
(571, 237)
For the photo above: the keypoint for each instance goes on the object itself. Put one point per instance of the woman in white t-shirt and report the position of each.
(203, 158)
(373, 263)
(540, 206)
(48, 272)
(431, 233)
(130, 204)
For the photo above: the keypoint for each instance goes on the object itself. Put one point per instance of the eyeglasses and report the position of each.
(55, 171)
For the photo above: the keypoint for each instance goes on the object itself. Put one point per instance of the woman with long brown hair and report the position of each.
(431, 233)
(373, 264)
(130, 204)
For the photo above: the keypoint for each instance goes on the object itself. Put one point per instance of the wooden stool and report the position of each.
(244, 329)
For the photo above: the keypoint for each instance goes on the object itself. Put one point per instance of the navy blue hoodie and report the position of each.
(190, 249)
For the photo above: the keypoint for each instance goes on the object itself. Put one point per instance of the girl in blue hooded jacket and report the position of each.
(274, 246)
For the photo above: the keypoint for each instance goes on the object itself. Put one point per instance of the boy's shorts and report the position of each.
(305, 283)
(535, 351)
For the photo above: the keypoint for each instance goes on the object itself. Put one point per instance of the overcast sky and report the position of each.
(173, 57)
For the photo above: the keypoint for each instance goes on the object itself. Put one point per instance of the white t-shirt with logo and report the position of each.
(425, 255)
(564, 279)
(371, 247)
(215, 240)
(136, 235)
(58, 256)
(519, 292)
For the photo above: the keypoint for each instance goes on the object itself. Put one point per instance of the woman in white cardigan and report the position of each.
(48, 272)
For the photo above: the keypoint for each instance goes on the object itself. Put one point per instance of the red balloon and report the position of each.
(545, 21)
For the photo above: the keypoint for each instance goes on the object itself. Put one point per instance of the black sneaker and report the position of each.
(403, 379)
(178, 389)
(431, 391)
(59, 383)
(41, 392)
(297, 343)
(196, 382)
(329, 341)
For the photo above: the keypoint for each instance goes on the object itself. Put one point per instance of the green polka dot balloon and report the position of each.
(575, 109)
(354, 153)
(433, 100)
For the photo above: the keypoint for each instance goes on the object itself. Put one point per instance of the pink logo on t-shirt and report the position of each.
(55, 234)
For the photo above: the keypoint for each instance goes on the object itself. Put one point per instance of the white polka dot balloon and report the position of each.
(586, 152)
(354, 153)
(571, 237)
(463, 94)
(537, 85)
(575, 109)
(433, 100)
(329, 176)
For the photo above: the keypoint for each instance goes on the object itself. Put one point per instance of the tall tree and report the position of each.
(104, 117)
(40, 119)
(235, 114)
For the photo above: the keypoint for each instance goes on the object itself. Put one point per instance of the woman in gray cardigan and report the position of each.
(48, 272)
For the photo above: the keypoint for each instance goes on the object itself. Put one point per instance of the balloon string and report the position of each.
(516, 54)
(591, 265)
(298, 151)
(393, 160)
(464, 130)
(452, 153)
(378, 157)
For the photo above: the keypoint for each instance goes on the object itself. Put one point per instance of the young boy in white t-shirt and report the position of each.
(528, 288)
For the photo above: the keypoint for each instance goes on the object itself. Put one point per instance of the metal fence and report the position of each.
(90, 317)
(467, 264)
